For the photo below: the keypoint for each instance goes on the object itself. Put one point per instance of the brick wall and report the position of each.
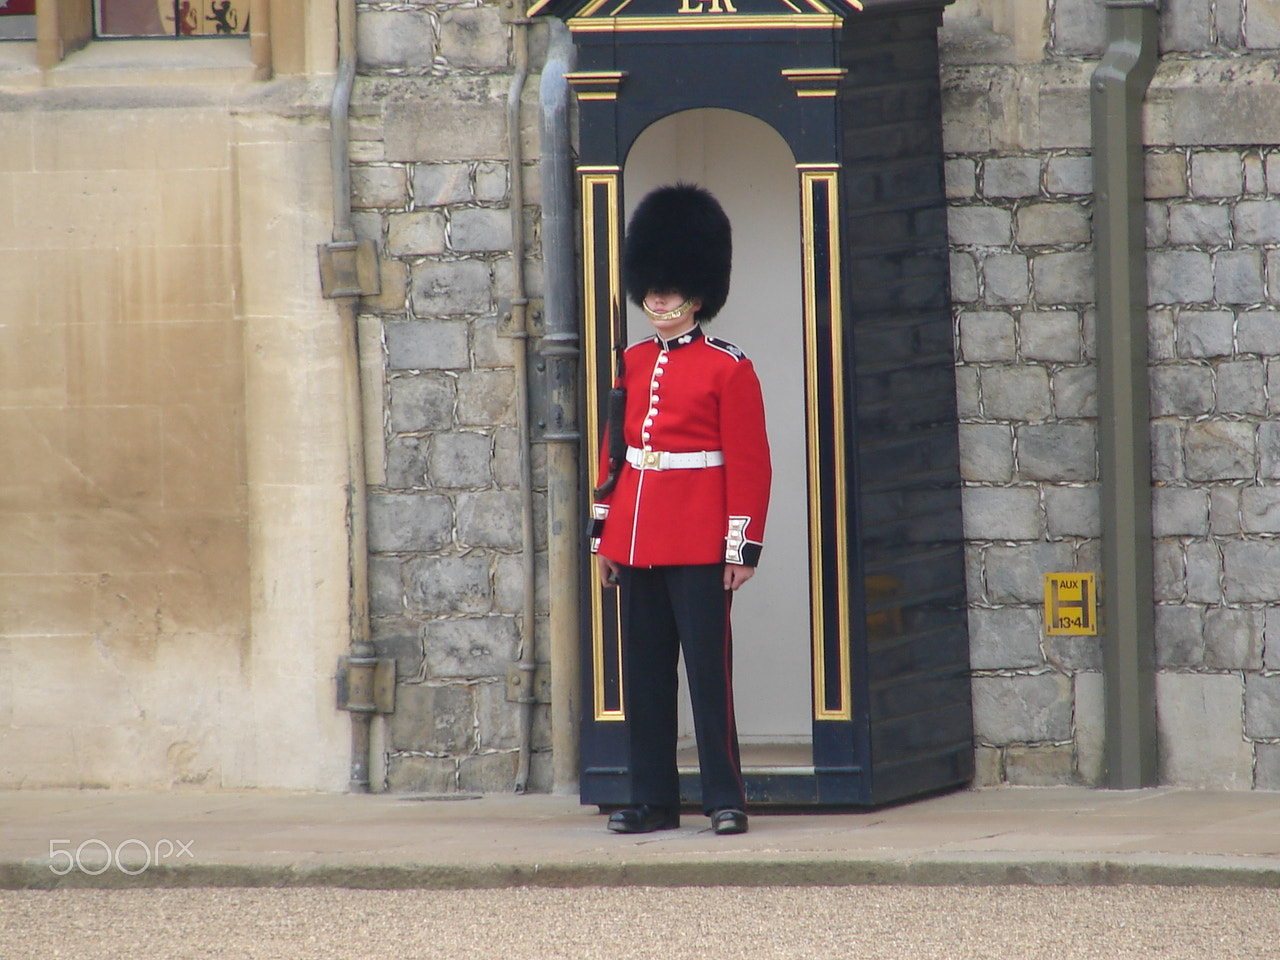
(1019, 183)
(1221, 28)
(1213, 230)
(431, 183)
(1022, 288)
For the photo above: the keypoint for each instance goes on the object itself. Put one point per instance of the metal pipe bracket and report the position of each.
(367, 684)
(349, 268)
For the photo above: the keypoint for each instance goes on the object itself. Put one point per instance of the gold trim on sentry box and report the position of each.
(594, 219)
(827, 272)
(591, 9)
(707, 21)
(596, 84)
(815, 81)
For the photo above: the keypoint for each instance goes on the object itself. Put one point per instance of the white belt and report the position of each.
(662, 460)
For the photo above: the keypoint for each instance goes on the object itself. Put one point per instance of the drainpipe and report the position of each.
(349, 270)
(339, 128)
(560, 353)
(518, 330)
(1124, 405)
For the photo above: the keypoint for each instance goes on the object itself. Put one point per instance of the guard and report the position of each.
(678, 520)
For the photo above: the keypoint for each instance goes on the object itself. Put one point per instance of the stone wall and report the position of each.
(431, 186)
(1022, 289)
(173, 552)
(1197, 27)
(1019, 180)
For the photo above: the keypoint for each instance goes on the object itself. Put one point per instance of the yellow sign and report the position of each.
(1070, 604)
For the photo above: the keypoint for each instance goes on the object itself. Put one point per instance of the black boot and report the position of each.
(644, 819)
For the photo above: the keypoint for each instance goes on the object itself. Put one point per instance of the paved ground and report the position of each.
(1061, 874)
(63, 839)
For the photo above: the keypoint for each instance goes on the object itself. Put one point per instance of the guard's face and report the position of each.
(669, 312)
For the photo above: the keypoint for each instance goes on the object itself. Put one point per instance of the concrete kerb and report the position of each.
(976, 871)
(59, 840)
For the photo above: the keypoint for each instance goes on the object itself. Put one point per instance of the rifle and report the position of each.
(617, 408)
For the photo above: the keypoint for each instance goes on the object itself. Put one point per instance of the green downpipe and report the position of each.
(1124, 404)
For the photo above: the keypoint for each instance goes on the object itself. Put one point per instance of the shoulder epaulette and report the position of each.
(646, 342)
(727, 347)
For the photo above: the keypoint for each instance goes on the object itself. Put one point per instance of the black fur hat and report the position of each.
(679, 239)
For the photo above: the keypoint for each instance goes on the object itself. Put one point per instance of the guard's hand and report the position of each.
(735, 575)
(608, 571)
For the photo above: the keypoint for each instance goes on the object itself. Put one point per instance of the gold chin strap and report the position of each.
(670, 314)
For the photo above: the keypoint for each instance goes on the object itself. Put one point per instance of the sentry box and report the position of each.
(817, 125)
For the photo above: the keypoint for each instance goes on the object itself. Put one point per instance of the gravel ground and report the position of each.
(644, 923)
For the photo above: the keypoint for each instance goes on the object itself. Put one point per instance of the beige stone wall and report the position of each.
(296, 460)
(173, 553)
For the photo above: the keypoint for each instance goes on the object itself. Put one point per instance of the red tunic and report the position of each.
(689, 394)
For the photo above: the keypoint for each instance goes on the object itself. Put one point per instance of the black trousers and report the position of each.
(666, 610)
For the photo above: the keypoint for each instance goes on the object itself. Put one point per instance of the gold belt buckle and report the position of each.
(651, 459)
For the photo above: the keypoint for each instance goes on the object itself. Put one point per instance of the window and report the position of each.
(17, 19)
(66, 30)
(171, 18)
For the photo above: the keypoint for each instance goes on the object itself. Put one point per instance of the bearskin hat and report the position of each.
(679, 239)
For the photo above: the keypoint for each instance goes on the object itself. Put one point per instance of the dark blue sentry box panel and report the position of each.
(853, 89)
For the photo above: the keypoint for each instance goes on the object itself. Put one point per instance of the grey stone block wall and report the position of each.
(431, 181)
(1022, 288)
(1223, 27)
(431, 187)
(1212, 344)
(1020, 229)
